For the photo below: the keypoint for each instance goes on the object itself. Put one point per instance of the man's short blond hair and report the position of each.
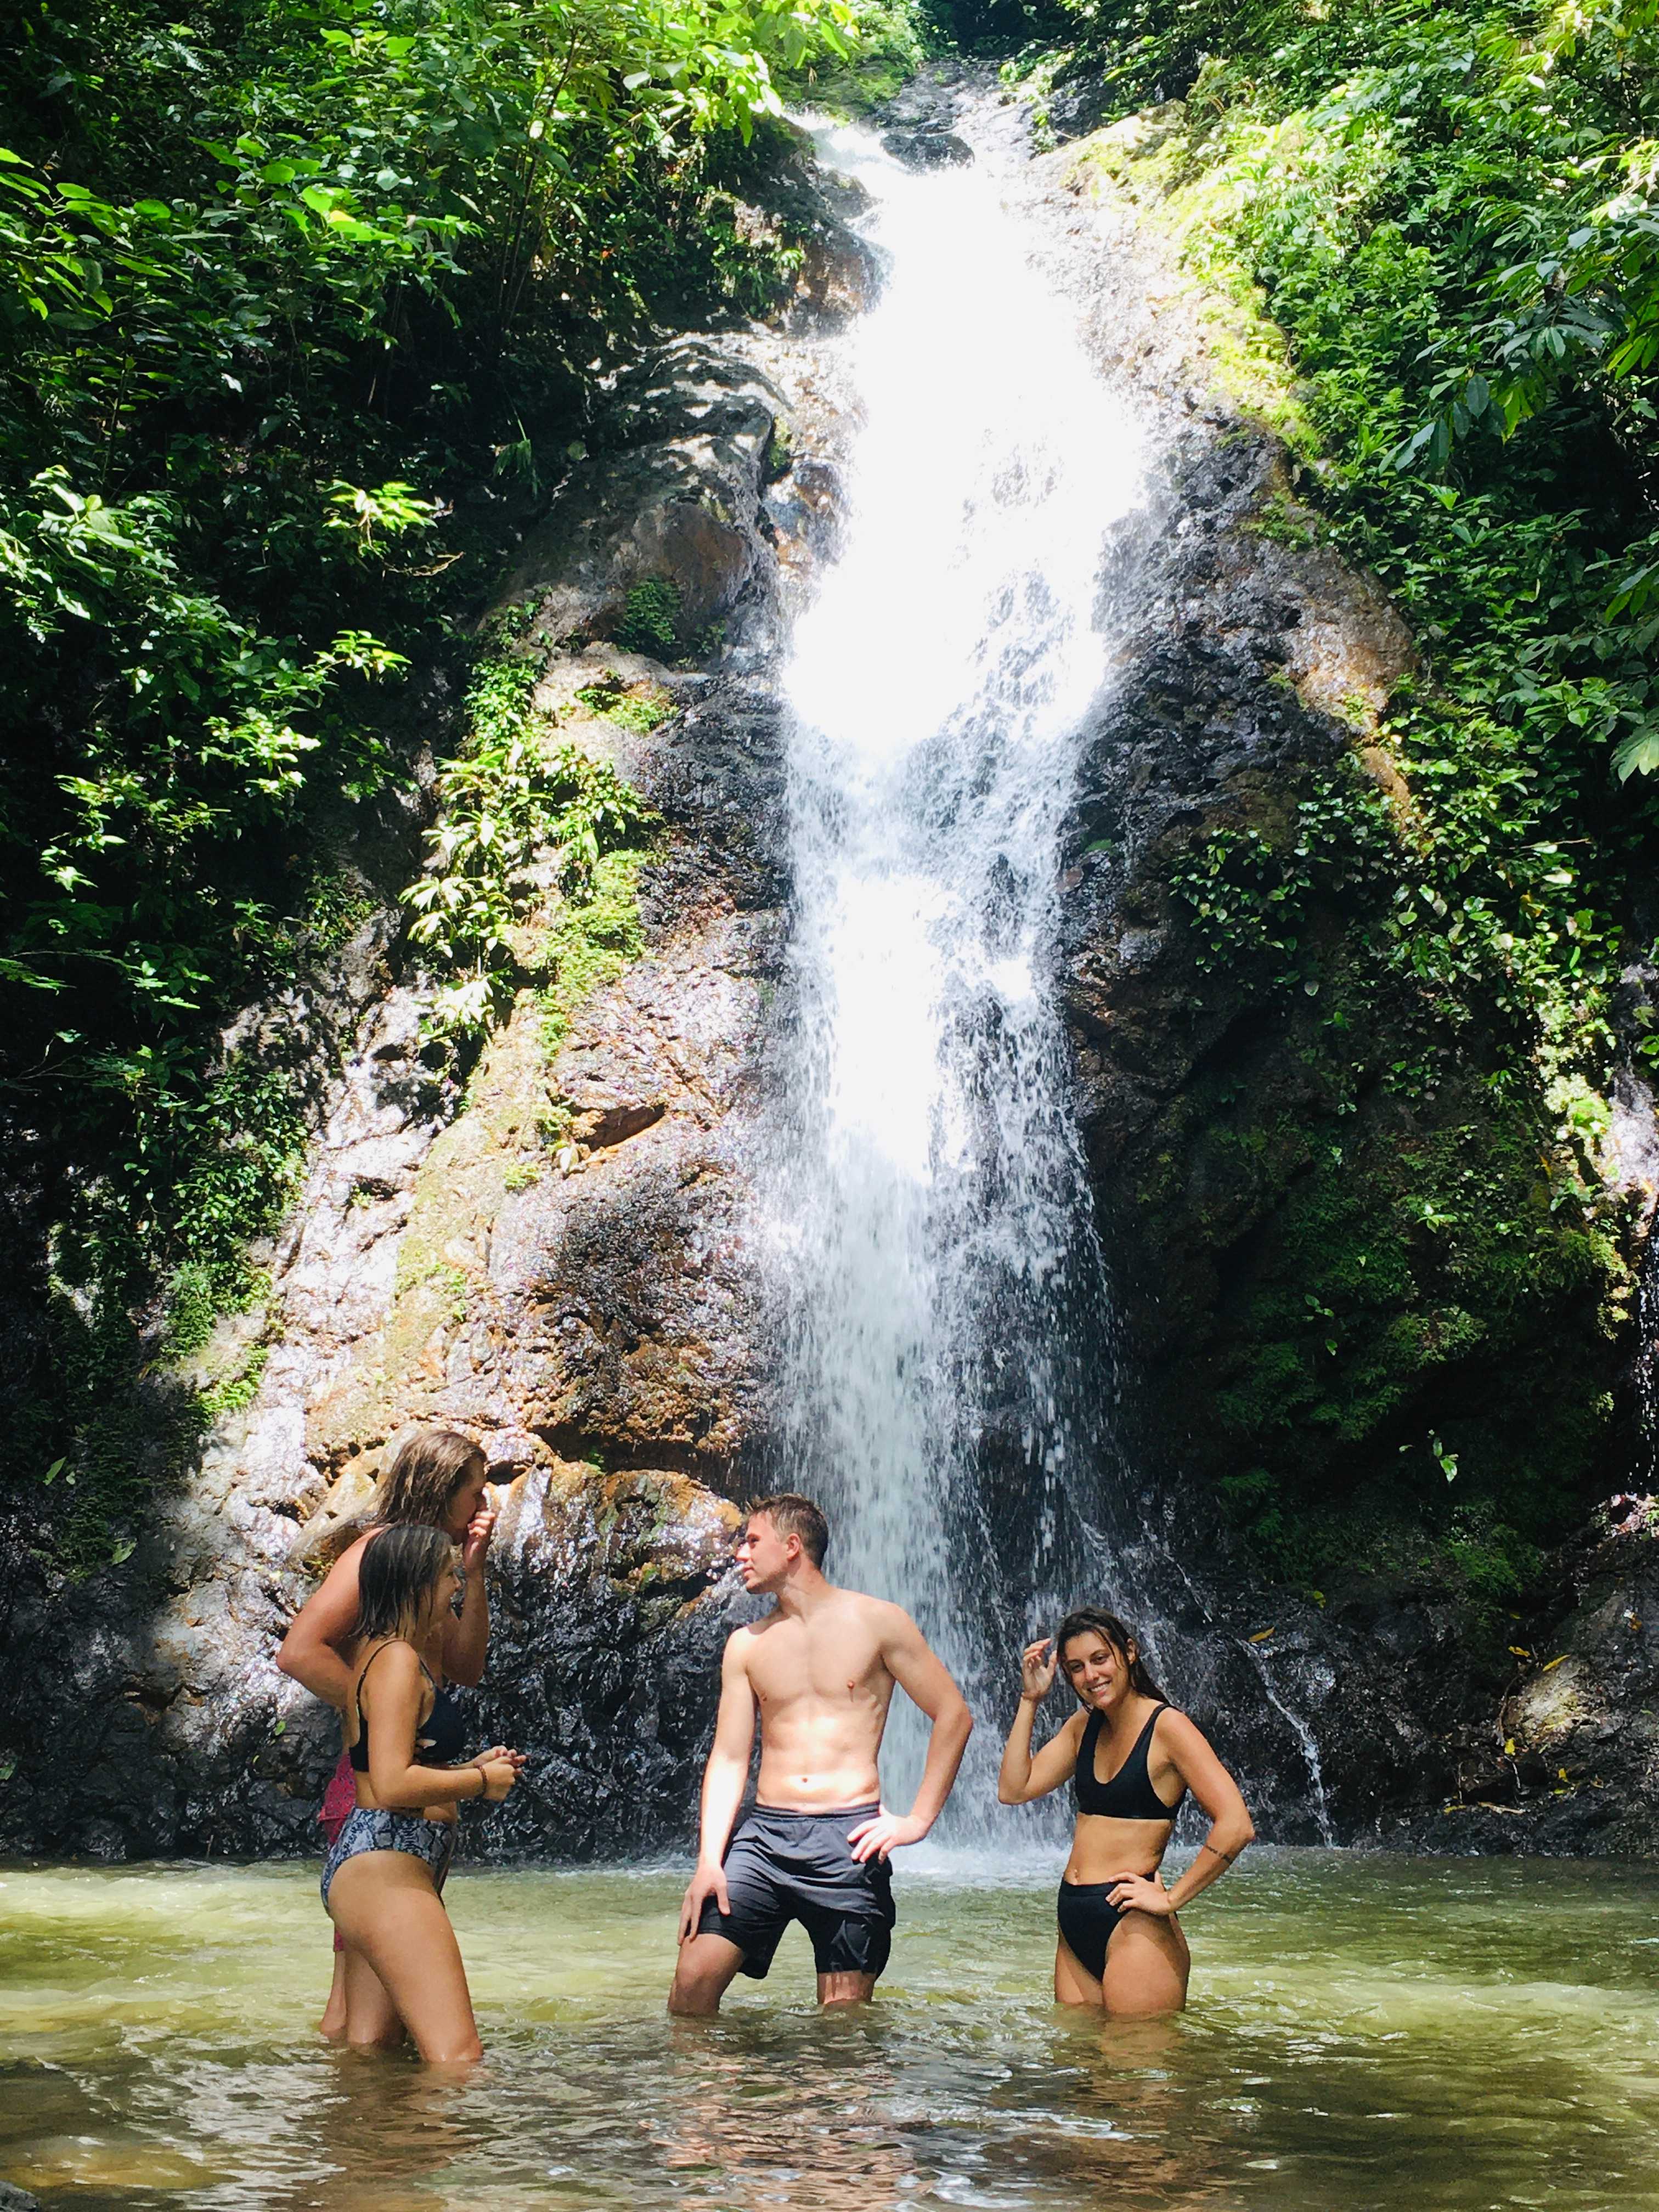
(792, 1514)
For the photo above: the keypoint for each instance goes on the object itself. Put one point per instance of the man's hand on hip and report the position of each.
(708, 1881)
(873, 1839)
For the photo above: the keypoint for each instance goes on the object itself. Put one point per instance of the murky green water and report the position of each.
(1365, 2034)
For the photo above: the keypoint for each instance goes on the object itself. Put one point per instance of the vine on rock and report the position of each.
(514, 796)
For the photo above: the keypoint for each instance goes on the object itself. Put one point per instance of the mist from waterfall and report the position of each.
(949, 1348)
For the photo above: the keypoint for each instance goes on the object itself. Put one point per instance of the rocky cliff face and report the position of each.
(555, 1253)
(550, 1253)
(1352, 1269)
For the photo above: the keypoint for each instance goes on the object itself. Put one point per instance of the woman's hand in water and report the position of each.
(1140, 1892)
(1036, 1673)
(500, 1768)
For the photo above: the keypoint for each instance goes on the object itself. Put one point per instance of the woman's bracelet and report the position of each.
(483, 1779)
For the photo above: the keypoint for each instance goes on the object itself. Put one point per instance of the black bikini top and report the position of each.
(1129, 1796)
(443, 1733)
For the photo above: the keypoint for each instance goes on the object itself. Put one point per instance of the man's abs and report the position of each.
(822, 1692)
(815, 1777)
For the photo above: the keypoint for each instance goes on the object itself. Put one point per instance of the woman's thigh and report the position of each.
(1073, 1984)
(1147, 1965)
(372, 2021)
(385, 1905)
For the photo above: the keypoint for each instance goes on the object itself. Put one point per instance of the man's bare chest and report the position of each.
(822, 1671)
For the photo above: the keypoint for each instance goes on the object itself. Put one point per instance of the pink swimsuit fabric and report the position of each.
(339, 1802)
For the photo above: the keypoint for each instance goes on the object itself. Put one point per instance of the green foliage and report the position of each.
(335, 907)
(1419, 1326)
(1423, 229)
(90, 1475)
(236, 1392)
(1481, 921)
(890, 40)
(1447, 212)
(280, 286)
(628, 710)
(512, 794)
(651, 620)
(592, 941)
(1409, 1327)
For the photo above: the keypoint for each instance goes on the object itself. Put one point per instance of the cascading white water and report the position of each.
(929, 1204)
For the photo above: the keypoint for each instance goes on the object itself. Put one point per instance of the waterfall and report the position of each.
(949, 1350)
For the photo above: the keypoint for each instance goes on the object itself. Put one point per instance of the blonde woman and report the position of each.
(383, 1880)
(436, 1480)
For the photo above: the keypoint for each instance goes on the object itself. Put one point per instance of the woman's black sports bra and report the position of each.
(443, 1733)
(1129, 1796)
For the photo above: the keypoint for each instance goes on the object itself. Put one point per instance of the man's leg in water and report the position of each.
(701, 1974)
(845, 1989)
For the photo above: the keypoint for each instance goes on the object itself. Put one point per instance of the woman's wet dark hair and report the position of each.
(396, 1571)
(1091, 1621)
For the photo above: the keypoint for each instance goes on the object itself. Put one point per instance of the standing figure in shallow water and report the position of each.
(383, 1880)
(1131, 1758)
(819, 1670)
(436, 1480)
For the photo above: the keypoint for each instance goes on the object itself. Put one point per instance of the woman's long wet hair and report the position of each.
(430, 1467)
(1091, 1621)
(396, 1575)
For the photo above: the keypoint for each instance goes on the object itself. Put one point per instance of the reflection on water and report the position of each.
(1371, 2032)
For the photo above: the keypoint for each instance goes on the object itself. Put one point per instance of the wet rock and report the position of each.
(1563, 1756)
(608, 1687)
(553, 1260)
(675, 500)
(926, 146)
(17, 2200)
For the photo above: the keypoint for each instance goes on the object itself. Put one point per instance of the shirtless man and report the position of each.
(819, 1670)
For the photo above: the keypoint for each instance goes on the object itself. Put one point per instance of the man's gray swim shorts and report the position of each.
(783, 1866)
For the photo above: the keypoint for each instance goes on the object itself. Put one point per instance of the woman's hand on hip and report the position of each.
(1140, 1892)
(1036, 1673)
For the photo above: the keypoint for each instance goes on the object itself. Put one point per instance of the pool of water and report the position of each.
(1370, 2033)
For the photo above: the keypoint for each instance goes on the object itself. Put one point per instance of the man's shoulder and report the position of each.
(879, 1614)
(744, 1640)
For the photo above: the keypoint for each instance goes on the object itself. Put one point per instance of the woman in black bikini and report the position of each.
(1132, 1758)
(383, 1880)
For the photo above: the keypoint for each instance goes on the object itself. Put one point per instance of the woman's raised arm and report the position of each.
(1022, 1776)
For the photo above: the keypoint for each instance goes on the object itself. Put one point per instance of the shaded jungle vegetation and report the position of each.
(307, 304)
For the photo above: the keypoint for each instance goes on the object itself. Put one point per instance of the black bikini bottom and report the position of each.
(1086, 1920)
